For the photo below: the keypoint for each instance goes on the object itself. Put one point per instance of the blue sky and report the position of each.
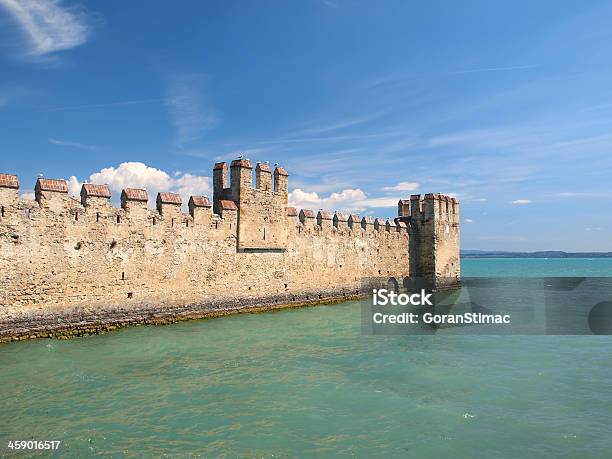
(507, 105)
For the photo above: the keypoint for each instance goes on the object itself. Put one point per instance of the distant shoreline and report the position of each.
(542, 254)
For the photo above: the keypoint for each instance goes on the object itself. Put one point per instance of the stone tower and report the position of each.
(262, 209)
(433, 223)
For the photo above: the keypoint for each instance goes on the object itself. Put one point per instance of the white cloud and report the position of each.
(190, 185)
(74, 186)
(403, 186)
(521, 201)
(29, 195)
(345, 199)
(48, 26)
(468, 220)
(189, 106)
(139, 175)
(349, 200)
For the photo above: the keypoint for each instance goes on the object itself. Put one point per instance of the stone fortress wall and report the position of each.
(67, 262)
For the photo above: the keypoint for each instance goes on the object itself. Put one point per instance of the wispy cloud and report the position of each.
(123, 103)
(571, 194)
(9, 95)
(48, 26)
(394, 79)
(324, 131)
(336, 124)
(189, 106)
(521, 202)
(319, 139)
(403, 186)
(491, 69)
(70, 143)
(330, 4)
(601, 194)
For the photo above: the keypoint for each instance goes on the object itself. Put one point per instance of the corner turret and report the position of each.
(434, 237)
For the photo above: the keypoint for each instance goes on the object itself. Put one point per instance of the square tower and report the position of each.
(262, 209)
(434, 237)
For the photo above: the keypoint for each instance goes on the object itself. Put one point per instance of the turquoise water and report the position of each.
(307, 383)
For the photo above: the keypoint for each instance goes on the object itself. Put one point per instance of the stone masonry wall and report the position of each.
(65, 261)
(57, 255)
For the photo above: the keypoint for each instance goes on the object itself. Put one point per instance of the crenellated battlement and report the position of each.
(258, 216)
(58, 250)
(430, 206)
(52, 204)
(322, 223)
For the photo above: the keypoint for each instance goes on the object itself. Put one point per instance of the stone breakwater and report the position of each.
(68, 263)
(81, 321)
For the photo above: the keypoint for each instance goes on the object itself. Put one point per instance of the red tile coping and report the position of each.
(135, 194)
(9, 181)
(368, 220)
(58, 186)
(339, 216)
(280, 171)
(241, 163)
(98, 191)
(228, 205)
(199, 201)
(307, 213)
(165, 197)
(264, 167)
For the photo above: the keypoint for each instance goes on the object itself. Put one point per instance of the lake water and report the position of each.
(306, 382)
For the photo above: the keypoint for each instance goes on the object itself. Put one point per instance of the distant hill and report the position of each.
(543, 254)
